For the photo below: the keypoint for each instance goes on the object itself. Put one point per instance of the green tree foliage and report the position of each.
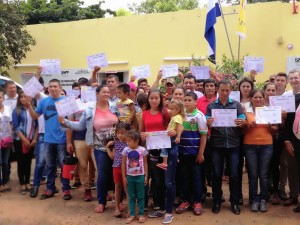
(15, 41)
(123, 12)
(43, 11)
(160, 6)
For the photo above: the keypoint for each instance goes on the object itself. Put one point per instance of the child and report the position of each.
(191, 150)
(135, 173)
(125, 106)
(176, 111)
(116, 155)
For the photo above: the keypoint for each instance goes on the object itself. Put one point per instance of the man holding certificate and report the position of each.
(225, 142)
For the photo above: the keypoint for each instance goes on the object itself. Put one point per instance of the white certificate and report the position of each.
(67, 106)
(169, 70)
(97, 60)
(158, 140)
(287, 102)
(253, 63)
(224, 117)
(32, 87)
(51, 66)
(200, 72)
(268, 115)
(292, 63)
(88, 94)
(235, 95)
(141, 71)
(72, 92)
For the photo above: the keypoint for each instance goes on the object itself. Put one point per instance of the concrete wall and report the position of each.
(149, 39)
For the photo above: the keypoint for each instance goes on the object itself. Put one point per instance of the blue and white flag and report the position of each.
(213, 11)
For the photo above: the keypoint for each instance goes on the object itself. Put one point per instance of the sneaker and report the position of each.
(263, 206)
(76, 185)
(67, 195)
(156, 214)
(254, 206)
(184, 206)
(197, 209)
(46, 195)
(168, 219)
(87, 196)
(156, 207)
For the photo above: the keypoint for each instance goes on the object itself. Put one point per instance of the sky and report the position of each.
(117, 4)
(112, 4)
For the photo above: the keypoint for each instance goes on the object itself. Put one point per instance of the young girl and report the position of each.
(116, 155)
(176, 112)
(25, 138)
(135, 173)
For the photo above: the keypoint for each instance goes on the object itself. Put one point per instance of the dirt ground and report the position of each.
(16, 209)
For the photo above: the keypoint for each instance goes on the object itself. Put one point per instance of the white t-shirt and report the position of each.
(135, 161)
(10, 102)
(5, 120)
(199, 94)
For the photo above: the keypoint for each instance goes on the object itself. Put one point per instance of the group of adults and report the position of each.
(272, 152)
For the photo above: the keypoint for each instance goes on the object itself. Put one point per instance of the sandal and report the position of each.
(118, 214)
(142, 219)
(129, 219)
(99, 208)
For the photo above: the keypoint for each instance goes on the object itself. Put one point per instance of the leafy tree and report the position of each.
(15, 41)
(42, 11)
(160, 6)
(123, 12)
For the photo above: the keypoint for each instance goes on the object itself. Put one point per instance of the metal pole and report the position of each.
(226, 30)
(239, 48)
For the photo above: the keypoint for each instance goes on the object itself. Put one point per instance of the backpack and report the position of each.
(296, 124)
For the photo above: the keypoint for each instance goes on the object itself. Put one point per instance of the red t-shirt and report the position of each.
(202, 103)
(155, 122)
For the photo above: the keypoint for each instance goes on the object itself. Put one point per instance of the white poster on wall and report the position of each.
(292, 63)
(67, 77)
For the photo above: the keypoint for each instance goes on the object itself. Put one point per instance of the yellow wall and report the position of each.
(148, 39)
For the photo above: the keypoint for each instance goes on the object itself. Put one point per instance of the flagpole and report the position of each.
(239, 47)
(226, 29)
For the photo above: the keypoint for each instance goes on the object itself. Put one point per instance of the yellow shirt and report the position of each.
(123, 109)
(175, 120)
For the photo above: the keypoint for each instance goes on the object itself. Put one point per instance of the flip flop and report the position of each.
(162, 167)
(118, 214)
(129, 219)
(99, 209)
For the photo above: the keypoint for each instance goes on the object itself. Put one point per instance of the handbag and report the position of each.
(6, 142)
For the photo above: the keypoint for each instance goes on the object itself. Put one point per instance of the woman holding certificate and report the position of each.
(156, 118)
(258, 150)
(99, 120)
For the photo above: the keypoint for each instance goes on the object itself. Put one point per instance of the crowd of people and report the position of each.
(109, 138)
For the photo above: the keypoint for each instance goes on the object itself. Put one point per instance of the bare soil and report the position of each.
(16, 209)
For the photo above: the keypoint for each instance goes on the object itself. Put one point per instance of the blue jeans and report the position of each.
(258, 158)
(170, 176)
(104, 168)
(191, 178)
(218, 156)
(4, 159)
(54, 152)
(40, 160)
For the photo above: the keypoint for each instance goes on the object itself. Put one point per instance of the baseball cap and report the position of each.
(170, 81)
(132, 86)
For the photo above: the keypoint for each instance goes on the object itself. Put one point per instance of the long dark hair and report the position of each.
(161, 103)
(19, 104)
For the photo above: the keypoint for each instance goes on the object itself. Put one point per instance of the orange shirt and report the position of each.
(258, 135)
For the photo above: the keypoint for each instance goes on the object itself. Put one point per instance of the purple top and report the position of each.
(119, 147)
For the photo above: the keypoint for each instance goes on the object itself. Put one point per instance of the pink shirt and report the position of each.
(104, 123)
